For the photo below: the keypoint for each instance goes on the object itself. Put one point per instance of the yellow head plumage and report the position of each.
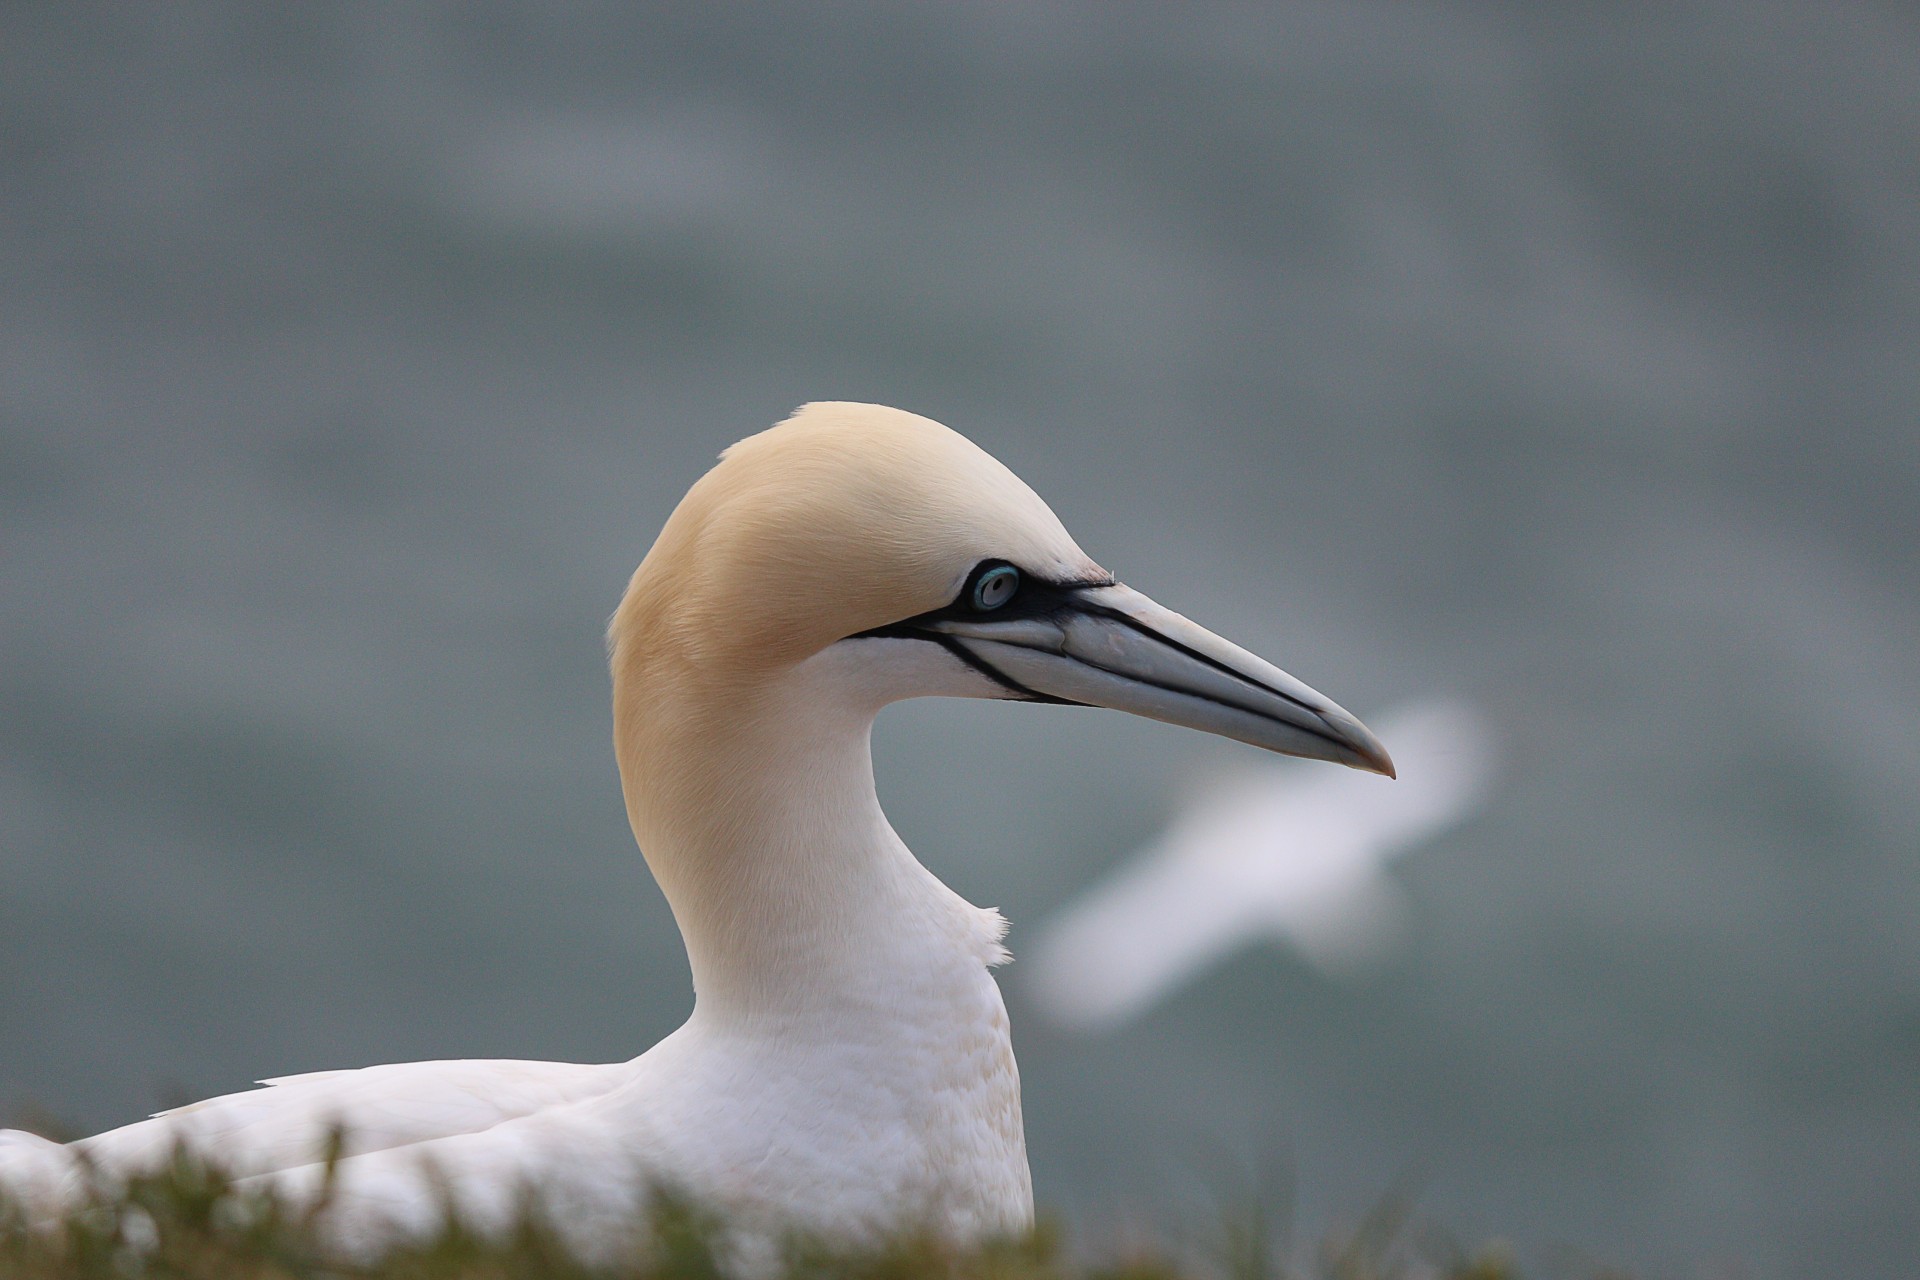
(842, 518)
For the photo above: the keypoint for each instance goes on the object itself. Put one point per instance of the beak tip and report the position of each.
(1371, 757)
(1369, 753)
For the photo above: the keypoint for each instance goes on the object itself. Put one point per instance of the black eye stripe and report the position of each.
(1035, 597)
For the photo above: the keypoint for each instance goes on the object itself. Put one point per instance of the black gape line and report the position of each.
(1035, 597)
(1134, 624)
(1020, 691)
(1038, 597)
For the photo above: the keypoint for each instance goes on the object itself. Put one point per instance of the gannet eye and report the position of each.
(994, 588)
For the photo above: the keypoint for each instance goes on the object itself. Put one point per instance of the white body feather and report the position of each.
(875, 1087)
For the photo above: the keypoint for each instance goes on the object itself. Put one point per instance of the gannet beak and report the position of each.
(1110, 646)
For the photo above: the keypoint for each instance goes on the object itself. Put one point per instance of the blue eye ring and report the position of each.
(994, 588)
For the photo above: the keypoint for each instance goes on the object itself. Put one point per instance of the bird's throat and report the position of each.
(756, 810)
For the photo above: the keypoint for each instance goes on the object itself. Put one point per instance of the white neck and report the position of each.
(796, 899)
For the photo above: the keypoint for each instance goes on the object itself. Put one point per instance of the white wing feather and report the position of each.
(291, 1122)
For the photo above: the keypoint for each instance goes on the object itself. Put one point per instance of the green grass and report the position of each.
(190, 1222)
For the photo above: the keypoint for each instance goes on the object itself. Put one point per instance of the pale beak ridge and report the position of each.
(1113, 647)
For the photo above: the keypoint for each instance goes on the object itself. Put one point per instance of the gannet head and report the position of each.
(867, 527)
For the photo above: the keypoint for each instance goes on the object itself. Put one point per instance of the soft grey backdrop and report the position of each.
(1564, 360)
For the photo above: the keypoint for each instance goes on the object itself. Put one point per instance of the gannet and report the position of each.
(846, 1068)
(1265, 852)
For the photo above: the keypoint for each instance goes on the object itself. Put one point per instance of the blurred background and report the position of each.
(1557, 360)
